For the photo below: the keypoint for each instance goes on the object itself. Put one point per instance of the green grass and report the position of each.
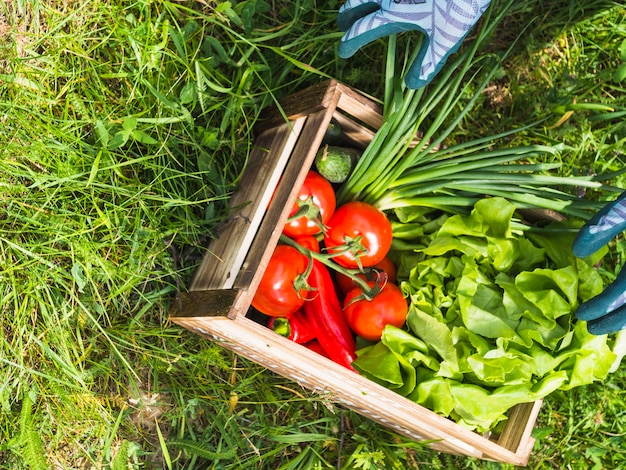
(124, 128)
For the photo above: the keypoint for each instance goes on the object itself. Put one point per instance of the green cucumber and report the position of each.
(333, 134)
(335, 163)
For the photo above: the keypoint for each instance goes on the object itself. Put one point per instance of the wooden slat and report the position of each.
(358, 135)
(517, 434)
(309, 141)
(359, 117)
(302, 103)
(204, 303)
(326, 94)
(358, 106)
(314, 372)
(266, 163)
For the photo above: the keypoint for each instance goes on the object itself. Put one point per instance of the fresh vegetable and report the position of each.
(335, 163)
(396, 171)
(334, 134)
(491, 320)
(283, 289)
(358, 235)
(295, 327)
(325, 314)
(309, 242)
(315, 346)
(368, 317)
(314, 206)
(383, 271)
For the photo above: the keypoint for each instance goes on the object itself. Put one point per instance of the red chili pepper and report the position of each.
(326, 316)
(296, 327)
(315, 346)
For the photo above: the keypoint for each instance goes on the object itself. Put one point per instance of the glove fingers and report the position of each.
(430, 60)
(610, 323)
(353, 10)
(601, 228)
(368, 29)
(612, 298)
(445, 25)
(450, 23)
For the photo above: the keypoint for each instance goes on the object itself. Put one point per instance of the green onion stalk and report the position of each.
(408, 164)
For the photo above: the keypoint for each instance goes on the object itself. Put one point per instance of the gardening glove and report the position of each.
(444, 24)
(605, 313)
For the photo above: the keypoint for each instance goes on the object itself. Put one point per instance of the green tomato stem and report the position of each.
(327, 260)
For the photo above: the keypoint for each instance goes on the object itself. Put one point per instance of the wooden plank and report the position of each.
(204, 303)
(358, 106)
(266, 163)
(358, 135)
(316, 373)
(517, 434)
(306, 368)
(302, 103)
(268, 234)
(359, 118)
(329, 93)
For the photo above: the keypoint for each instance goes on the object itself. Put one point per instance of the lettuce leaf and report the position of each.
(490, 322)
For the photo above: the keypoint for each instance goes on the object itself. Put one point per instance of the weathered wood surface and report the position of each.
(316, 373)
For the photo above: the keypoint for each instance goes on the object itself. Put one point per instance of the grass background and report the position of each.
(124, 126)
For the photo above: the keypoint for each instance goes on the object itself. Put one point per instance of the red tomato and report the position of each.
(368, 318)
(359, 219)
(276, 295)
(386, 268)
(309, 242)
(321, 194)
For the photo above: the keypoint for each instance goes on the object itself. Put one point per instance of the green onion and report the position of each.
(408, 164)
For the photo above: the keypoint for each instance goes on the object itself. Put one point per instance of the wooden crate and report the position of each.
(223, 286)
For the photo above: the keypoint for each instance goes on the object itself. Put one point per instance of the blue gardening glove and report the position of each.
(605, 313)
(443, 22)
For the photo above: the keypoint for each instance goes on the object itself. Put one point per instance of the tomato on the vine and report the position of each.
(277, 295)
(368, 318)
(309, 242)
(364, 226)
(383, 271)
(319, 193)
